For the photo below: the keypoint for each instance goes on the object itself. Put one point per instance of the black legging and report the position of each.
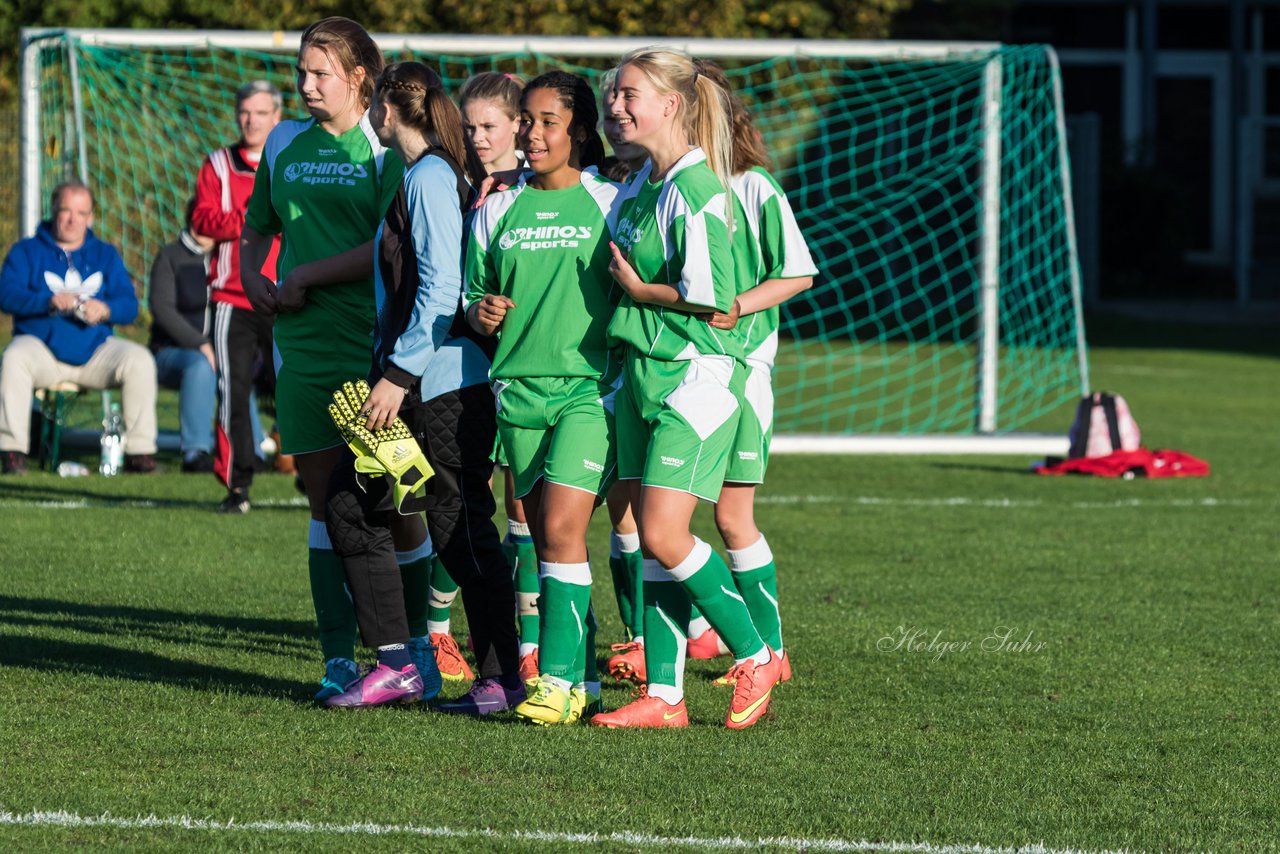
(456, 431)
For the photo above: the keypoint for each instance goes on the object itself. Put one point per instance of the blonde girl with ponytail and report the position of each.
(776, 266)
(678, 410)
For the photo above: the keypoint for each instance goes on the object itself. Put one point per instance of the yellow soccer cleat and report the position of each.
(582, 704)
(548, 705)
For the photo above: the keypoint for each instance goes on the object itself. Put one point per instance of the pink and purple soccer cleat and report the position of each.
(380, 687)
(485, 697)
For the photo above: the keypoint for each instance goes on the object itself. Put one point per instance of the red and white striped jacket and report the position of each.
(222, 195)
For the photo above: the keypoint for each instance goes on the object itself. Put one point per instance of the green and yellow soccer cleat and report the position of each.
(548, 705)
(582, 704)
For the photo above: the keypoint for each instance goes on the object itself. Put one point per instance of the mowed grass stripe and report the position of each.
(158, 660)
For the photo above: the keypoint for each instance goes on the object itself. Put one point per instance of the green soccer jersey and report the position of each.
(675, 233)
(774, 249)
(548, 252)
(324, 194)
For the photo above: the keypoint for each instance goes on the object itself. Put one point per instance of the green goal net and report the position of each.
(930, 181)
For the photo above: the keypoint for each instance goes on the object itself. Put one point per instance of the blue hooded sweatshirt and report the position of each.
(37, 268)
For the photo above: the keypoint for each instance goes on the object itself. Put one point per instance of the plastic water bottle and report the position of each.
(112, 442)
(72, 468)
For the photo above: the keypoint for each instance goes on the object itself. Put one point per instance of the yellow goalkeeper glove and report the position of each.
(390, 451)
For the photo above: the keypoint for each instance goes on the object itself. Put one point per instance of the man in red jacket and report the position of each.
(240, 337)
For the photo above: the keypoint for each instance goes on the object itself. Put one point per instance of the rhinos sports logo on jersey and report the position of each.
(311, 172)
(545, 237)
(627, 235)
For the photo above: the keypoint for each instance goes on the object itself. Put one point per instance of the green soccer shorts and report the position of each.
(749, 456)
(499, 455)
(316, 351)
(560, 429)
(677, 421)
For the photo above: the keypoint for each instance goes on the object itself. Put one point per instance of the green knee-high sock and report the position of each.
(415, 572)
(756, 578)
(625, 566)
(524, 566)
(708, 581)
(335, 615)
(666, 618)
(635, 568)
(587, 669)
(443, 590)
(565, 600)
(698, 624)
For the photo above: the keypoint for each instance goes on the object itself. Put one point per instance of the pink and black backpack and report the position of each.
(1103, 425)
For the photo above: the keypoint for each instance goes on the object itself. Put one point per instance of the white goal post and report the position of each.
(991, 270)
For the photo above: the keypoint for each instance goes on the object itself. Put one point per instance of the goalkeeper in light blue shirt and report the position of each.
(430, 382)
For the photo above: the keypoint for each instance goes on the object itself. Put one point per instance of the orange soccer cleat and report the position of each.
(529, 668)
(453, 667)
(628, 664)
(731, 677)
(706, 645)
(752, 688)
(644, 712)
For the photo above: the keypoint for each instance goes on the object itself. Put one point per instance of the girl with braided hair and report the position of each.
(428, 371)
(537, 278)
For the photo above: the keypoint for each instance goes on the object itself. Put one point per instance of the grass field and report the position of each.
(156, 660)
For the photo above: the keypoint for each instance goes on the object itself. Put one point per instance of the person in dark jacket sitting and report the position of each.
(180, 339)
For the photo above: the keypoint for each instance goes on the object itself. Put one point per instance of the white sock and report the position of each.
(668, 694)
(761, 657)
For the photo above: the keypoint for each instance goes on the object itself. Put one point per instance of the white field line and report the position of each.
(1150, 371)
(66, 819)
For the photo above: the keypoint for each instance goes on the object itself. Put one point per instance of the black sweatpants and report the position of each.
(456, 431)
(241, 341)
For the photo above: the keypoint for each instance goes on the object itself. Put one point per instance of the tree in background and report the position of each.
(950, 20)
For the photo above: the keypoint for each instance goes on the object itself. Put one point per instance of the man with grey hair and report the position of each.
(241, 338)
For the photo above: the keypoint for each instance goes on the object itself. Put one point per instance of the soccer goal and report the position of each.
(931, 180)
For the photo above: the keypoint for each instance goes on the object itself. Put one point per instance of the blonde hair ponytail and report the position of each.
(712, 127)
(705, 109)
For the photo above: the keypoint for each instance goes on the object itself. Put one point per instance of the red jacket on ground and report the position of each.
(1139, 463)
(222, 195)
